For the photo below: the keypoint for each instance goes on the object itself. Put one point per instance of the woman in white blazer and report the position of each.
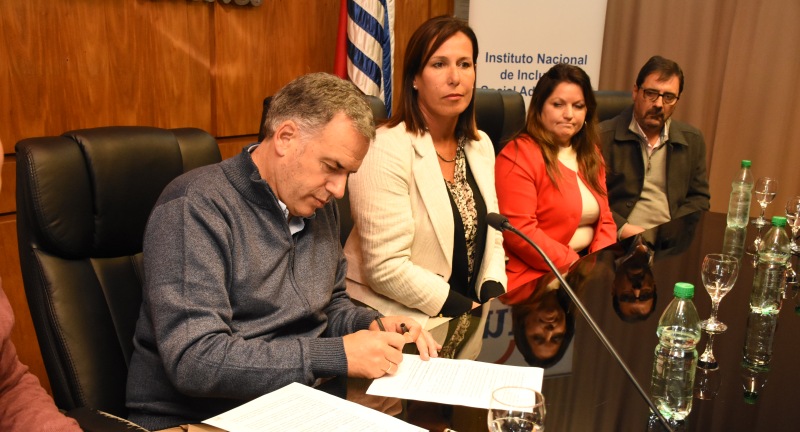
(420, 245)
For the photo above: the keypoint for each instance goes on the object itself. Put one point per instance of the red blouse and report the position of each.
(547, 215)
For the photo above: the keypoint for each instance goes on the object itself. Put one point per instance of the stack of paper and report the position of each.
(453, 382)
(299, 408)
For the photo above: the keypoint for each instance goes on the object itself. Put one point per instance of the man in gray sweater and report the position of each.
(244, 272)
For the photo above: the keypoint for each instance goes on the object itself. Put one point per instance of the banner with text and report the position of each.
(520, 40)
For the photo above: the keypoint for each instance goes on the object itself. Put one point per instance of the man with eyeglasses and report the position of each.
(634, 290)
(655, 166)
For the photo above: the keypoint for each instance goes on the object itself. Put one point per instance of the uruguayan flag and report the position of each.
(370, 47)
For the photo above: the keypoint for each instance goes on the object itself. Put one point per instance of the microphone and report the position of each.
(501, 223)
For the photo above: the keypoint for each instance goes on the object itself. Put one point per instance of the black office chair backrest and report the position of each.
(499, 113)
(611, 102)
(83, 200)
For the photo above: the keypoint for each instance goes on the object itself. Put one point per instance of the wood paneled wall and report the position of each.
(166, 63)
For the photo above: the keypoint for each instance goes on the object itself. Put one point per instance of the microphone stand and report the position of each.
(505, 225)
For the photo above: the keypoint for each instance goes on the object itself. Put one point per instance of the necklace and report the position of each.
(446, 160)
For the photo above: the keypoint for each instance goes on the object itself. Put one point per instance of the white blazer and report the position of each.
(400, 251)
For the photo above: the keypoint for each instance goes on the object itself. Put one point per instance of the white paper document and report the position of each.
(453, 382)
(298, 408)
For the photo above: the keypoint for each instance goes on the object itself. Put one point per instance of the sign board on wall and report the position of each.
(520, 40)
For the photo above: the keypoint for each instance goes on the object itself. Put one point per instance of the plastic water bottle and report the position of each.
(739, 205)
(769, 281)
(676, 355)
(733, 241)
(753, 381)
(760, 332)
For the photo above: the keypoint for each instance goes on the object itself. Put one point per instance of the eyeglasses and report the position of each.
(632, 298)
(668, 98)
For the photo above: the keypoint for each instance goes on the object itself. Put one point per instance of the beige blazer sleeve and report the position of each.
(399, 252)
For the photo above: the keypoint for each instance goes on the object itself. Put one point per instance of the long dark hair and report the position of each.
(519, 315)
(584, 142)
(423, 43)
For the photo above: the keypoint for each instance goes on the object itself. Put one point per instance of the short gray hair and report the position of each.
(313, 100)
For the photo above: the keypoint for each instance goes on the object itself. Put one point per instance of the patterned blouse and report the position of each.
(462, 195)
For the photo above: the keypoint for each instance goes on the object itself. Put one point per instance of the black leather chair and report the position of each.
(499, 113)
(611, 102)
(83, 200)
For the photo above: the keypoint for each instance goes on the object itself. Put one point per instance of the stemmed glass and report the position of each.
(719, 273)
(707, 359)
(516, 409)
(793, 219)
(753, 247)
(707, 379)
(765, 190)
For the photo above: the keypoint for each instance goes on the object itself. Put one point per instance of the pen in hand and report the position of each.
(403, 328)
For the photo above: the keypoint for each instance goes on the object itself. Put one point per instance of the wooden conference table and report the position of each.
(587, 390)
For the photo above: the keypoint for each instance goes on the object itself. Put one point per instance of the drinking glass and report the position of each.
(753, 247)
(707, 378)
(707, 360)
(719, 273)
(765, 190)
(516, 409)
(793, 219)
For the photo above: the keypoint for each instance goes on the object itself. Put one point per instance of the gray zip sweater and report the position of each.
(234, 306)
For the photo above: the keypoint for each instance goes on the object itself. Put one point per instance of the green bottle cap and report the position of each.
(684, 290)
(797, 310)
(779, 221)
(750, 397)
(745, 163)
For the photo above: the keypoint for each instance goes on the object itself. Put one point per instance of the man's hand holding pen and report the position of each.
(412, 331)
(376, 352)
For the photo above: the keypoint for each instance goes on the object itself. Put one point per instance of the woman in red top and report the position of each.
(551, 181)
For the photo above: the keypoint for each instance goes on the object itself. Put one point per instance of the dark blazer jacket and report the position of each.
(687, 180)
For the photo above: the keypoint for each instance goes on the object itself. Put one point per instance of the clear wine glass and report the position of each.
(707, 378)
(516, 409)
(719, 273)
(765, 190)
(707, 360)
(753, 247)
(793, 220)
